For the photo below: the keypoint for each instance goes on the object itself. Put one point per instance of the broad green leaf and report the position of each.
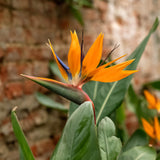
(48, 102)
(110, 146)
(27, 153)
(139, 153)
(139, 138)
(79, 141)
(154, 84)
(108, 96)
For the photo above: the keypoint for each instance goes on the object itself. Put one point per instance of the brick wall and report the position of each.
(25, 27)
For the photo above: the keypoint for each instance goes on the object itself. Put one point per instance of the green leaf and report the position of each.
(138, 105)
(27, 153)
(48, 102)
(21, 154)
(108, 96)
(55, 70)
(139, 153)
(154, 84)
(79, 141)
(86, 3)
(139, 138)
(120, 116)
(158, 156)
(77, 14)
(110, 146)
(132, 100)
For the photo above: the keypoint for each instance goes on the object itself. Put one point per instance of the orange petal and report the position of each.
(74, 55)
(148, 128)
(93, 56)
(62, 70)
(157, 128)
(158, 106)
(113, 73)
(150, 99)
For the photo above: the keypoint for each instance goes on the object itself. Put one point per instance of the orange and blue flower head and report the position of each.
(82, 69)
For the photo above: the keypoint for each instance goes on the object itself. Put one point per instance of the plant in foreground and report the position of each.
(81, 139)
(82, 69)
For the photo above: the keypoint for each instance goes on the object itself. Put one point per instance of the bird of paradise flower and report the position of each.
(82, 69)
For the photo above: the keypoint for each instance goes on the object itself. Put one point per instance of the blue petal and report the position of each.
(66, 68)
(61, 62)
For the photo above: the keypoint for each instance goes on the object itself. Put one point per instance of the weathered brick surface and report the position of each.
(25, 27)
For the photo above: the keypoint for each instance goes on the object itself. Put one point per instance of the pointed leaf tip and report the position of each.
(155, 25)
(14, 109)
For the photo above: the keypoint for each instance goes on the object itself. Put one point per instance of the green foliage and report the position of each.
(153, 84)
(120, 118)
(138, 105)
(139, 153)
(24, 147)
(110, 146)
(48, 102)
(139, 138)
(54, 69)
(75, 6)
(78, 141)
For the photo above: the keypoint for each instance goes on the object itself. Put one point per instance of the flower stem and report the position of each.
(88, 99)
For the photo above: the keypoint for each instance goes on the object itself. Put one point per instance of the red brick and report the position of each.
(40, 52)
(14, 90)
(37, 6)
(14, 53)
(21, 4)
(40, 21)
(3, 73)
(38, 35)
(1, 91)
(90, 14)
(20, 18)
(30, 87)
(12, 70)
(40, 69)
(17, 35)
(49, 7)
(5, 34)
(131, 122)
(43, 146)
(5, 16)
(1, 53)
